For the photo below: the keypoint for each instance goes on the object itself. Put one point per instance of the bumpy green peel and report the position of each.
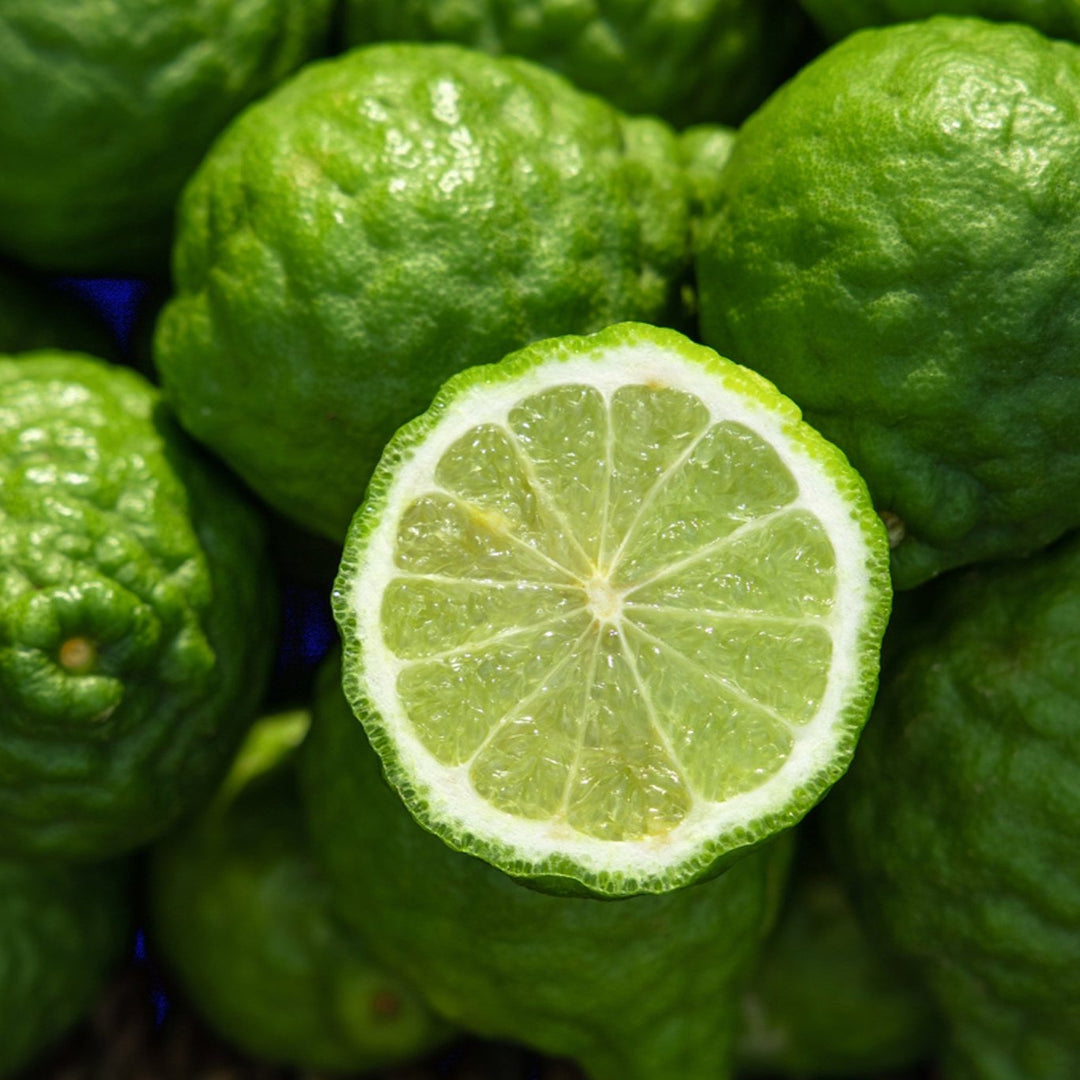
(706, 60)
(137, 611)
(957, 822)
(633, 989)
(1055, 18)
(107, 108)
(384, 220)
(242, 916)
(62, 930)
(897, 246)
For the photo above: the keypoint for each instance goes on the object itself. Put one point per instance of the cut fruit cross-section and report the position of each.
(611, 612)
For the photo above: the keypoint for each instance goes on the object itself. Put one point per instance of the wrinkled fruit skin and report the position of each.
(1055, 18)
(107, 108)
(897, 246)
(633, 989)
(241, 915)
(137, 611)
(62, 930)
(382, 221)
(707, 60)
(957, 822)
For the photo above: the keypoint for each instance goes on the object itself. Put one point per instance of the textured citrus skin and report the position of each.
(62, 929)
(241, 915)
(706, 60)
(897, 246)
(385, 219)
(136, 611)
(957, 821)
(827, 999)
(633, 989)
(107, 106)
(33, 316)
(1055, 18)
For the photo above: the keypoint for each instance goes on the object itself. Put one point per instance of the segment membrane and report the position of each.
(785, 568)
(455, 701)
(782, 667)
(525, 766)
(652, 429)
(443, 535)
(725, 744)
(731, 477)
(564, 433)
(485, 469)
(625, 785)
(421, 617)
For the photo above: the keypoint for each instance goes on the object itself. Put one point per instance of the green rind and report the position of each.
(95, 763)
(836, 18)
(956, 826)
(708, 60)
(384, 219)
(62, 931)
(633, 989)
(564, 875)
(241, 915)
(907, 269)
(106, 110)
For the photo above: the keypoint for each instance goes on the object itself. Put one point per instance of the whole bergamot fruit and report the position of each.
(137, 611)
(689, 62)
(957, 822)
(633, 989)
(896, 244)
(62, 930)
(380, 222)
(106, 108)
(242, 916)
(1056, 18)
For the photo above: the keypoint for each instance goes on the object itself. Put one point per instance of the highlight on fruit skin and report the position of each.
(611, 612)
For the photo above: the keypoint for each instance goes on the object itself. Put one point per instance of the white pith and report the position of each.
(448, 791)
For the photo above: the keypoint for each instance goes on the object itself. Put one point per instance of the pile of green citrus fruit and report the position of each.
(580, 547)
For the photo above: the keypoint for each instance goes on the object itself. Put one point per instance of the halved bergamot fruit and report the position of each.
(611, 612)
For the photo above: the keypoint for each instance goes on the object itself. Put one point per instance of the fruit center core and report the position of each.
(605, 602)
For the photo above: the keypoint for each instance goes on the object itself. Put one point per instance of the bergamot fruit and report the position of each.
(897, 246)
(957, 823)
(689, 62)
(106, 108)
(62, 931)
(137, 611)
(1055, 18)
(241, 916)
(633, 989)
(827, 999)
(385, 219)
(611, 612)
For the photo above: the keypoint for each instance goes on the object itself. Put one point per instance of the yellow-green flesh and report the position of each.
(609, 609)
